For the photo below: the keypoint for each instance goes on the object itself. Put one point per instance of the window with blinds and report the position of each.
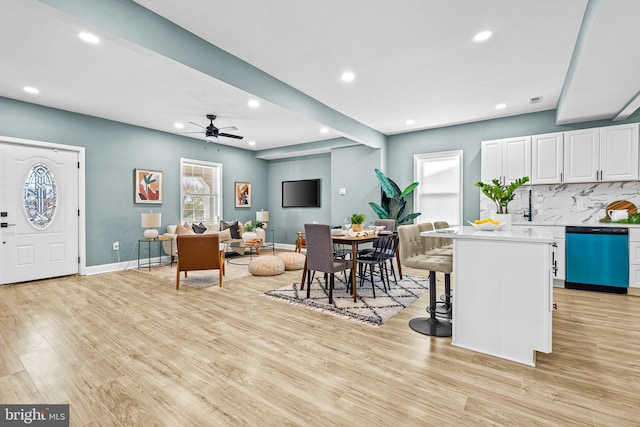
(439, 195)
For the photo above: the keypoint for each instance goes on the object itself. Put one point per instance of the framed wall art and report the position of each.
(243, 195)
(147, 186)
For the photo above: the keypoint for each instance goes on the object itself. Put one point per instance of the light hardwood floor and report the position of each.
(125, 349)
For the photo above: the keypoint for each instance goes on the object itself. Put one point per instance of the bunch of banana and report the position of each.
(484, 221)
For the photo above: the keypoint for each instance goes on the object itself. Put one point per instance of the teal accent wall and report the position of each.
(468, 137)
(353, 168)
(288, 221)
(113, 151)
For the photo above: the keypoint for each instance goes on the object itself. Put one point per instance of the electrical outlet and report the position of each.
(116, 246)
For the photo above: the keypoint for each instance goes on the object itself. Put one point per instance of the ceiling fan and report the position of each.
(212, 132)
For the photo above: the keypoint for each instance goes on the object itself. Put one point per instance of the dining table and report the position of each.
(354, 241)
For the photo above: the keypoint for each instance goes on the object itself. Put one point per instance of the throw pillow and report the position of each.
(235, 232)
(199, 229)
(224, 235)
(180, 229)
(224, 225)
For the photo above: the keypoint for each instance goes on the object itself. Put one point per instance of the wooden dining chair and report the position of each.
(199, 252)
(301, 242)
(320, 256)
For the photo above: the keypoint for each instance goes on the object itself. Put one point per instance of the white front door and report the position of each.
(39, 205)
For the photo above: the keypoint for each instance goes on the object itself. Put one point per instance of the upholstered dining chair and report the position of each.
(320, 256)
(199, 252)
(389, 224)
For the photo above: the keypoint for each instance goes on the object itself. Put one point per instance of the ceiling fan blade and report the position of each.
(200, 126)
(229, 127)
(228, 135)
(198, 131)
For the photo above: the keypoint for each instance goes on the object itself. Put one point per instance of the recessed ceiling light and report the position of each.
(348, 76)
(501, 106)
(31, 89)
(482, 36)
(324, 130)
(254, 103)
(89, 38)
(178, 125)
(409, 122)
(252, 143)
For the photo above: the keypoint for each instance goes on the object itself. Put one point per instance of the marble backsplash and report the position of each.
(565, 203)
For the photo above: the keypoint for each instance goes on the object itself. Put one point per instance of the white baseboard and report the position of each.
(132, 264)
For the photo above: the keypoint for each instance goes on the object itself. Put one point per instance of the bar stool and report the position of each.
(432, 325)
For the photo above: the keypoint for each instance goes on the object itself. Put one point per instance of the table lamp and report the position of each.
(150, 220)
(262, 216)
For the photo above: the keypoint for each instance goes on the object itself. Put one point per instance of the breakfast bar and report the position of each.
(502, 296)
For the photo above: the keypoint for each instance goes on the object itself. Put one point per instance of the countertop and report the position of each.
(520, 234)
(572, 224)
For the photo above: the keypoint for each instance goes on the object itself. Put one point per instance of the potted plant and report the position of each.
(248, 231)
(357, 220)
(393, 201)
(501, 195)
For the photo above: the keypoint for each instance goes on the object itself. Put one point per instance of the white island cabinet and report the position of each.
(502, 292)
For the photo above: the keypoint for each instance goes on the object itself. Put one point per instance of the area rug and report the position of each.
(369, 310)
(197, 279)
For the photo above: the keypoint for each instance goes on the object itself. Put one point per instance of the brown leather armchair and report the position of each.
(199, 252)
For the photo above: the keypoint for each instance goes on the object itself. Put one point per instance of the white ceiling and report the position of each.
(413, 59)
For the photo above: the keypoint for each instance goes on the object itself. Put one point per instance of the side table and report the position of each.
(158, 241)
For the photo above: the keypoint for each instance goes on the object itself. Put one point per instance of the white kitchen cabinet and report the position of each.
(507, 314)
(601, 154)
(634, 257)
(547, 154)
(505, 159)
(558, 253)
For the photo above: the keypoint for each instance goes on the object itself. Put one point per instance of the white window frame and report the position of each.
(419, 160)
(216, 189)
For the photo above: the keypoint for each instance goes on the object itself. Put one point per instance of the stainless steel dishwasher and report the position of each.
(597, 259)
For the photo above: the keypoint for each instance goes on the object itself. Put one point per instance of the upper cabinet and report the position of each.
(601, 154)
(547, 158)
(506, 159)
(587, 155)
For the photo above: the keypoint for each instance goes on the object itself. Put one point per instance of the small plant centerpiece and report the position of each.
(357, 220)
(501, 195)
(248, 231)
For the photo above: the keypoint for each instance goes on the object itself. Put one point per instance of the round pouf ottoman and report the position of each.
(292, 260)
(266, 265)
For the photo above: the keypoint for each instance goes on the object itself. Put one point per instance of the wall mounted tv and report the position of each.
(301, 194)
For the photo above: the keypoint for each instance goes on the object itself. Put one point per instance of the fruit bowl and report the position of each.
(486, 226)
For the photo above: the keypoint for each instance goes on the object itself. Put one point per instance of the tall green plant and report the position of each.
(393, 203)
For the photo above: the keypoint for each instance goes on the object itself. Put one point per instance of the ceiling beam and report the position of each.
(136, 24)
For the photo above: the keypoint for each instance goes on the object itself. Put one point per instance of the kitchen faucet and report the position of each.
(529, 214)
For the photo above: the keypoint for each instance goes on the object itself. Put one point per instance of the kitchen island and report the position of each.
(502, 296)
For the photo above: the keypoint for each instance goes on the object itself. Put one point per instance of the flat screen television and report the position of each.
(303, 193)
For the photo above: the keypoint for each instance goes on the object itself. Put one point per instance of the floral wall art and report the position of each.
(148, 186)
